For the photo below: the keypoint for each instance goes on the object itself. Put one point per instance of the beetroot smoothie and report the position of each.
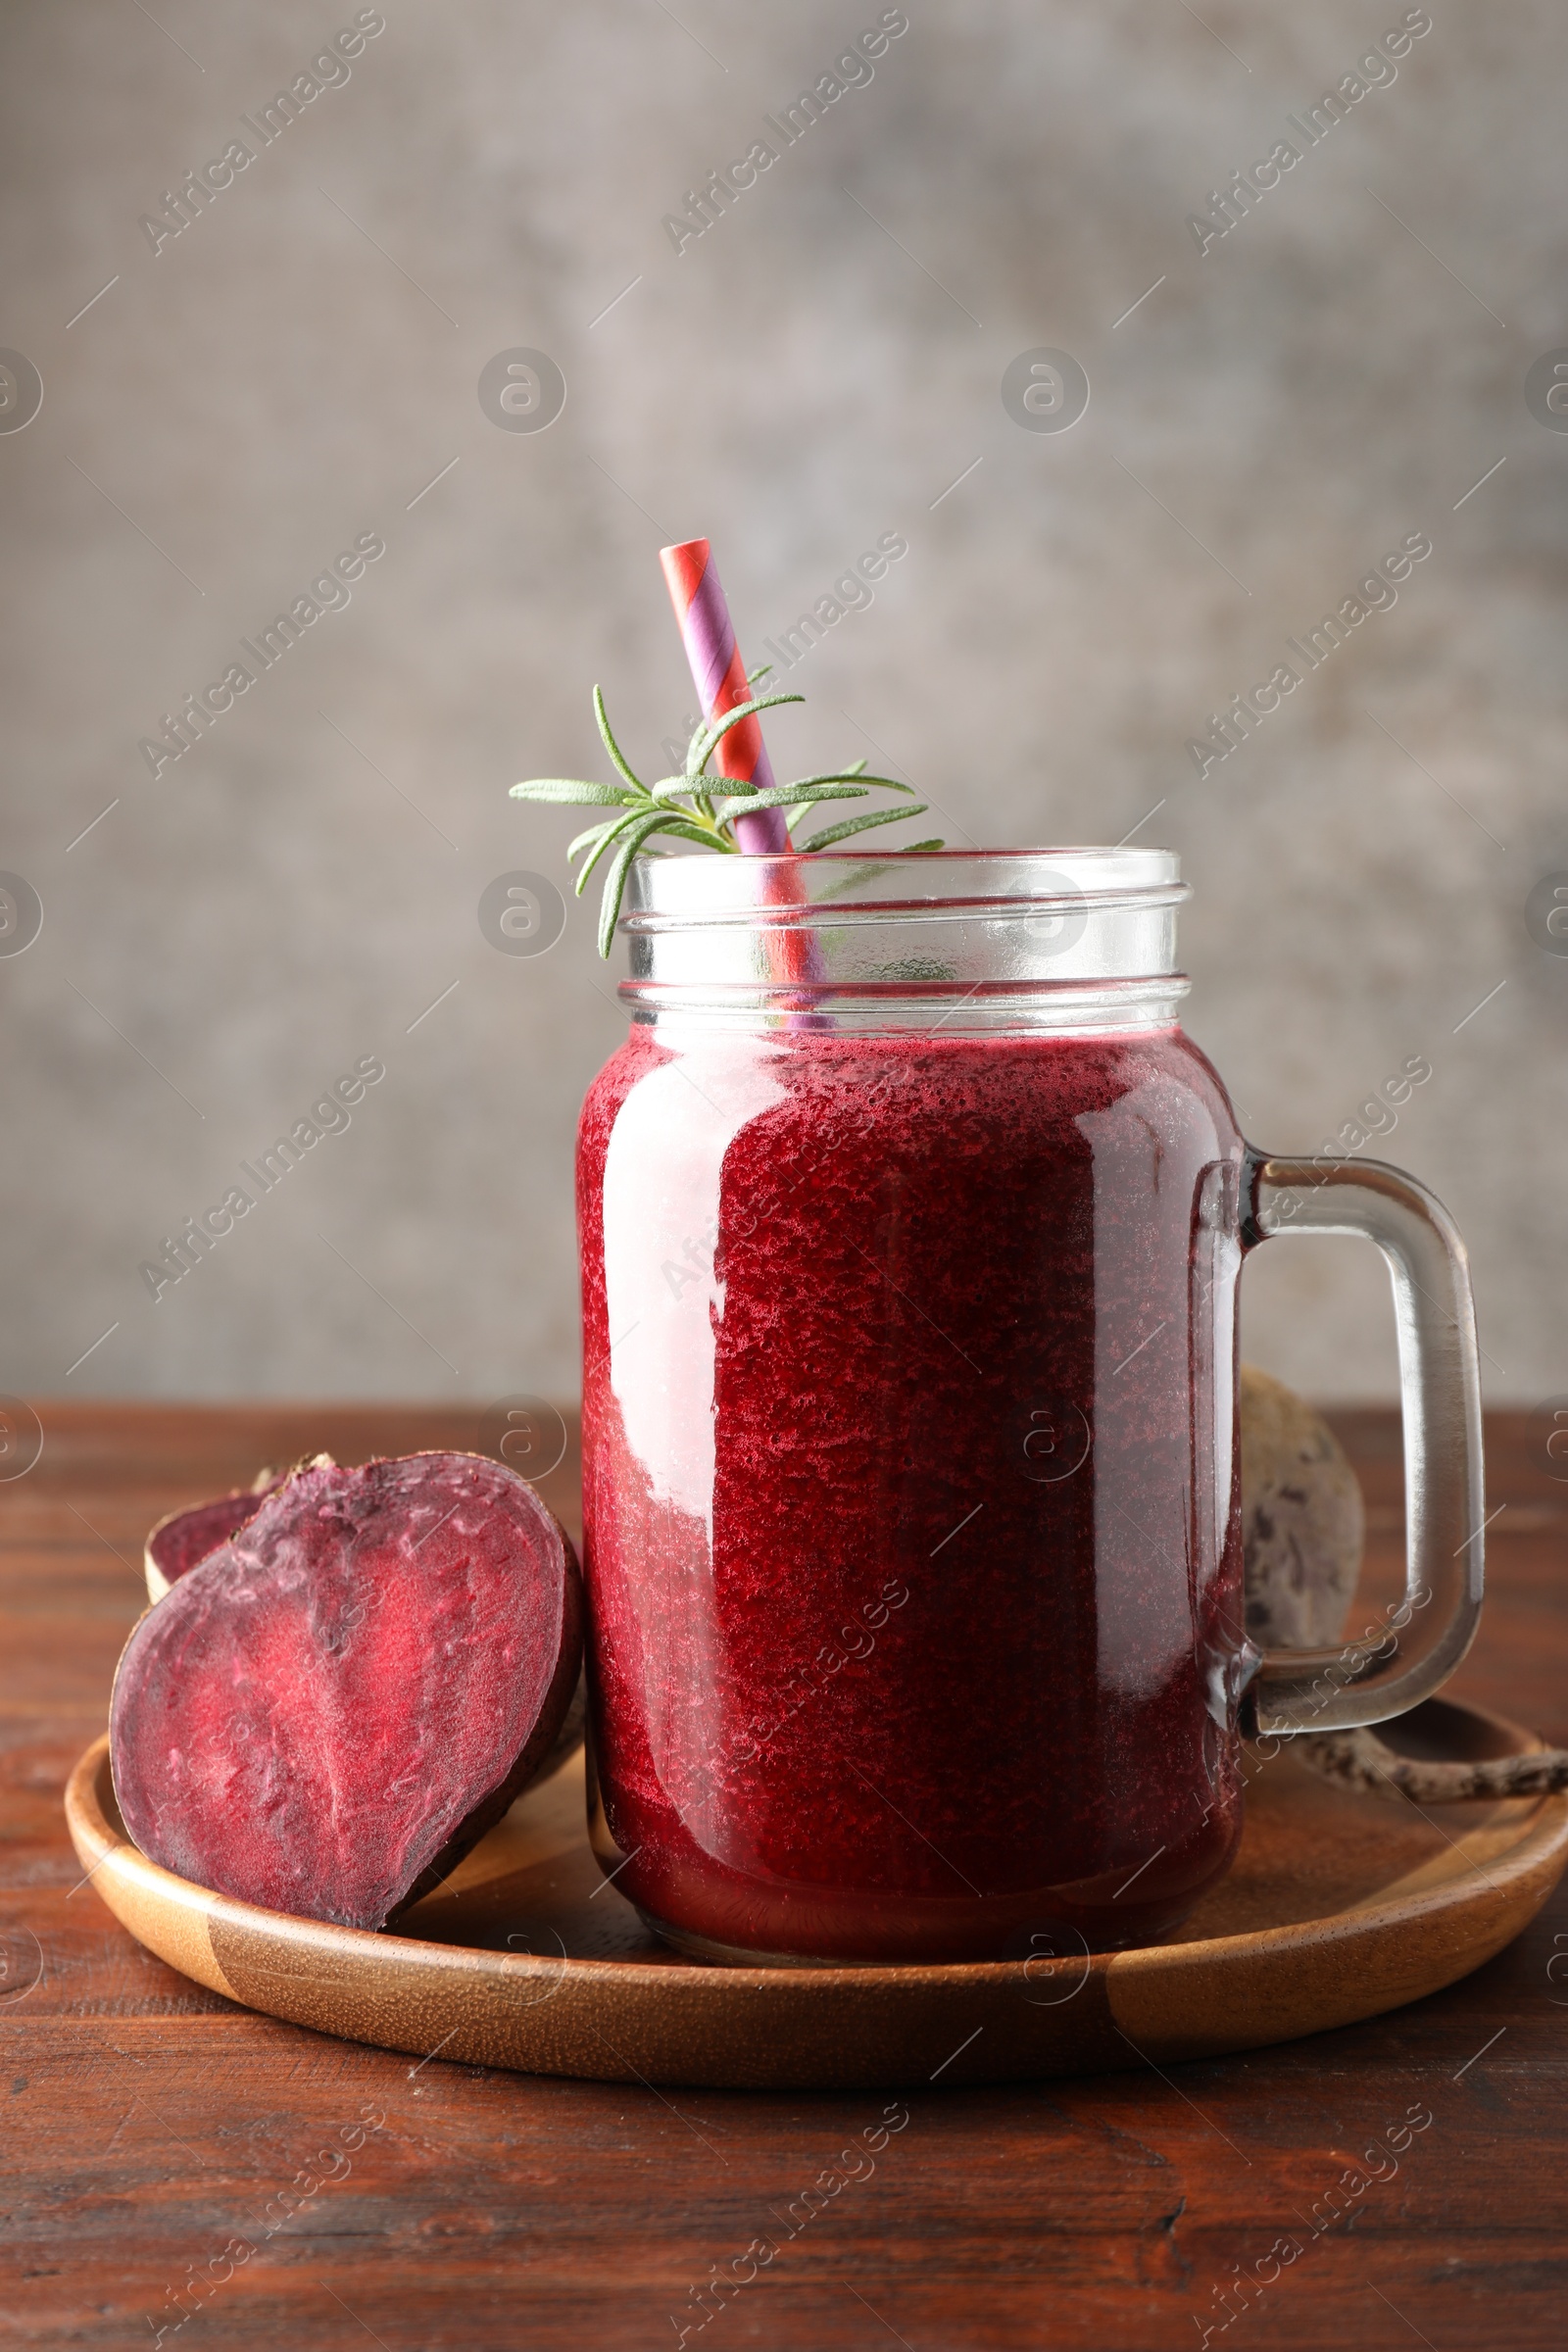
(911, 1498)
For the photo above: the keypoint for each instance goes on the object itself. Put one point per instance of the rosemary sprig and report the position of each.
(699, 806)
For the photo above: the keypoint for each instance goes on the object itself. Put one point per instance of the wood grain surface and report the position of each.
(169, 2154)
(1338, 1905)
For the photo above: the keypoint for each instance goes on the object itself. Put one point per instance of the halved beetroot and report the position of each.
(182, 1539)
(324, 1715)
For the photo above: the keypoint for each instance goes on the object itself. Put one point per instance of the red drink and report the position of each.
(912, 1518)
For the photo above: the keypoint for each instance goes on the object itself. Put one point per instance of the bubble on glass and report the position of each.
(526, 1433)
(1056, 1961)
(522, 390)
(1546, 390)
(20, 1438)
(1049, 1440)
(21, 914)
(541, 1944)
(523, 913)
(1546, 914)
(1044, 390)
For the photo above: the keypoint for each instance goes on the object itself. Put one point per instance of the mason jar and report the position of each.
(910, 1226)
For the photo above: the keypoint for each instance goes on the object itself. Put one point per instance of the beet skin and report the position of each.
(182, 1541)
(326, 1713)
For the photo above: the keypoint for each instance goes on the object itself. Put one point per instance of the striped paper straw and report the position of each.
(719, 676)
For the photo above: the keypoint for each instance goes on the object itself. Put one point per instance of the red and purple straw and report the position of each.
(719, 676)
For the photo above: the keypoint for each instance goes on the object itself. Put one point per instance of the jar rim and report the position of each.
(788, 886)
(1031, 939)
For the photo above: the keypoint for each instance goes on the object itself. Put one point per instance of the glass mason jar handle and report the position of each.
(1390, 1670)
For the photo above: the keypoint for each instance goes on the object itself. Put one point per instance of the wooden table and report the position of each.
(146, 2121)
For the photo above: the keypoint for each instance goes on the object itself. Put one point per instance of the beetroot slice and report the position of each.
(325, 1714)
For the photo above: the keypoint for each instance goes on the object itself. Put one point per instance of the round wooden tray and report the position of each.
(1337, 1907)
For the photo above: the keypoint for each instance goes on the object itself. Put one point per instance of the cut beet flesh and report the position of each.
(326, 1713)
(182, 1541)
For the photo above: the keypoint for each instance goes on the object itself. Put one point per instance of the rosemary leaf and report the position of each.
(784, 796)
(856, 774)
(862, 824)
(615, 879)
(677, 830)
(706, 740)
(586, 840)
(571, 793)
(648, 820)
(671, 788)
(610, 742)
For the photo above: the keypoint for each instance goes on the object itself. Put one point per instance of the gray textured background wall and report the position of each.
(294, 368)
